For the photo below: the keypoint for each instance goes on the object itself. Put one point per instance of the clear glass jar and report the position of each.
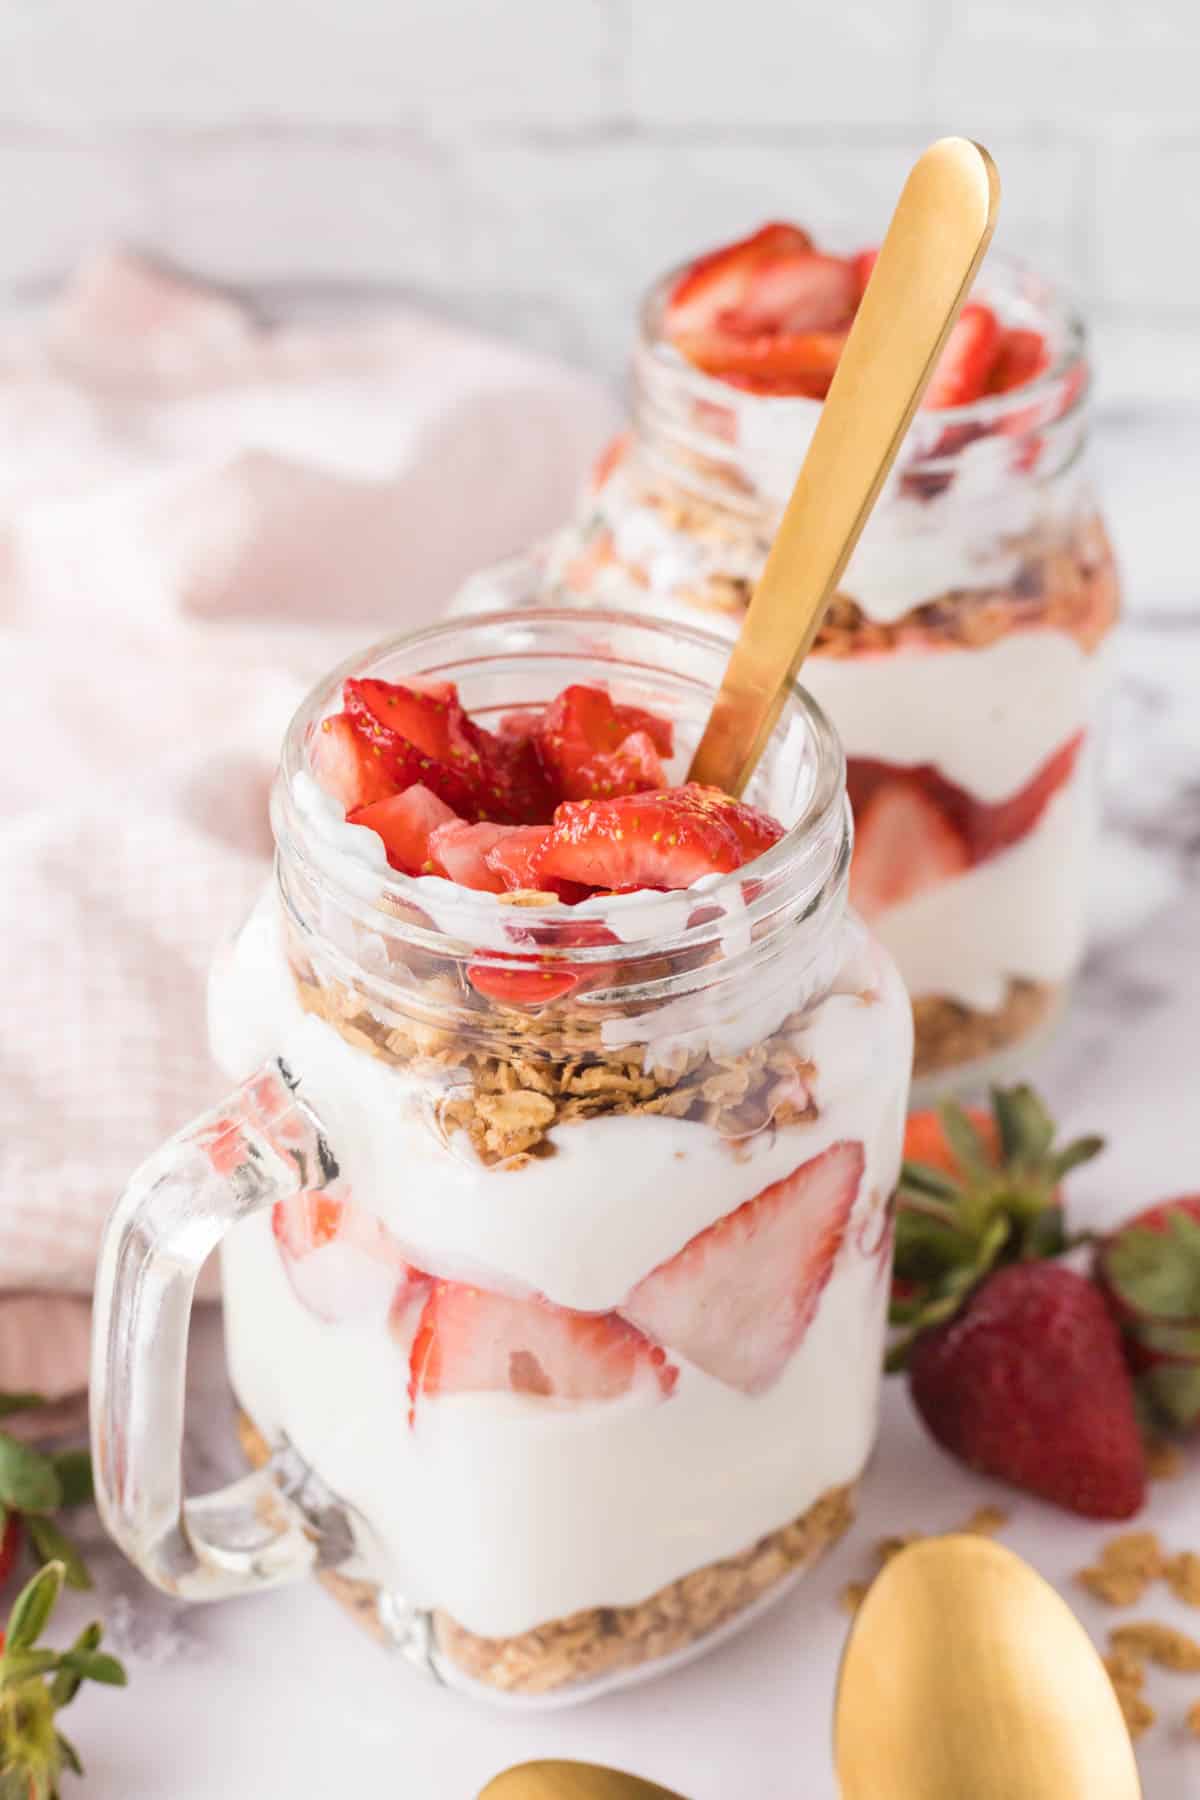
(556, 1285)
(963, 661)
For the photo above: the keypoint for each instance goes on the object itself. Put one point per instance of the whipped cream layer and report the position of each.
(508, 1510)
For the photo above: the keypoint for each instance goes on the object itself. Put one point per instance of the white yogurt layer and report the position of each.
(508, 1510)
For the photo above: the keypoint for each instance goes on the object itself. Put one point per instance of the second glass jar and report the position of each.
(963, 661)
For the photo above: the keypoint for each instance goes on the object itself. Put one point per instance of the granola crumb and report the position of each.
(1159, 1644)
(1137, 1712)
(1127, 1672)
(888, 1547)
(1192, 1718)
(986, 1521)
(1126, 1669)
(1116, 1587)
(853, 1595)
(1164, 1460)
(1183, 1576)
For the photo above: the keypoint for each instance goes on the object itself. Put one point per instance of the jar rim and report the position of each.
(806, 867)
(1002, 275)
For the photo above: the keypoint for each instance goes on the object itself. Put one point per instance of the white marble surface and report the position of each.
(282, 1697)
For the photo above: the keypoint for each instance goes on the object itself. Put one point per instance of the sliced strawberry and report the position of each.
(966, 362)
(664, 840)
(755, 830)
(404, 822)
(863, 262)
(996, 826)
(768, 313)
(341, 1260)
(517, 787)
(592, 748)
(522, 723)
(523, 987)
(983, 827)
(461, 851)
(516, 859)
(738, 1299)
(431, 718)
(469, 1341)
(354, 770)
(721, 279)
(904, 845)
(1020, 357)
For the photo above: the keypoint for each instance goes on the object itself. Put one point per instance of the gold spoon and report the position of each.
(556, 1780)
(966, 1677)
(939, 231)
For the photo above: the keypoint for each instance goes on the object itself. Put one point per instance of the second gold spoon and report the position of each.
(939, 231)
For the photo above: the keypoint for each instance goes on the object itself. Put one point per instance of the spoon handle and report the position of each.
(939, 231)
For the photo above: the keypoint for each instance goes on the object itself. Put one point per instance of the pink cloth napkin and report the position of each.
(197, 516)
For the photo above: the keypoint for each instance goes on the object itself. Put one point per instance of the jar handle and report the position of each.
(263, 1144)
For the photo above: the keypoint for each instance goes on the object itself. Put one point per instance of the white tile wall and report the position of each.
(530, 163)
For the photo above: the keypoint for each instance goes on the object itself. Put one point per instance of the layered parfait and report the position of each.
(964, 657)
(583, 1328)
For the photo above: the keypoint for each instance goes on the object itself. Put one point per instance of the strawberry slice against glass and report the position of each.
(720, 280)
(470, 1341)
(738, 1299)
(341, 1261)
(405, 822)
(904, 845)
(966, 362)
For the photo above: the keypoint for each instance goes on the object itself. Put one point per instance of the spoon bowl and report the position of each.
(965, 1674)
(558, 1780)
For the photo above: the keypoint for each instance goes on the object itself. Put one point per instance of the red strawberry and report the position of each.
(768, 313)
(904, 845)
(864, 267)
(404, 822)
(721, 279)
(341, 1260)
(1022, 356)
(754, 829)
(525, 986)
(1028, 1383)
(966, 362)
(351, 768)
(469, 1341)
(461, 851)
(516, 859)
(993, 827)
(1149, 1270)
(10, 1545)
(737, 1300)
(592, 748)
(430, 718)
(663, 840)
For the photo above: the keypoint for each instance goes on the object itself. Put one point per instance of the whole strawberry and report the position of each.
(1149, 1270)
(1028, 1383)
(1014, 1362)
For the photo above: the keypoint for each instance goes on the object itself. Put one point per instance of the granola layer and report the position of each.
(949, 1034)
(508, 1090)
(608, 1639)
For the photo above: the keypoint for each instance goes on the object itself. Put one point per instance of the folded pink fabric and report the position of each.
(197, 515)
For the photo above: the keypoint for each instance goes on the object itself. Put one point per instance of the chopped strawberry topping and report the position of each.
(738, 1299)
(592, 748)
(469, 1341)
(665, 840)
(966, 362)
(1022, 356)
(461, 850)
(351, 768)
(405, 822)
(341, 1260)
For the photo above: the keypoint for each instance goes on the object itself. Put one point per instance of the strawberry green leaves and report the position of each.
(34, 1484)
(36, 1683)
